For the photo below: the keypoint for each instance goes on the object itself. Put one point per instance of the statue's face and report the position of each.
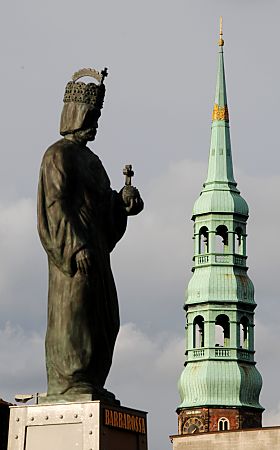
(90, 126)
(90, 133)
(85, 135)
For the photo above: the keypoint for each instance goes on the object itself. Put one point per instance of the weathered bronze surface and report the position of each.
(80, 220)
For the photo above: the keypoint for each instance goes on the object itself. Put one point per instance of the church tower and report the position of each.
(220, 384)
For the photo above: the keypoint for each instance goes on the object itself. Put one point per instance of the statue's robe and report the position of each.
(77, 210)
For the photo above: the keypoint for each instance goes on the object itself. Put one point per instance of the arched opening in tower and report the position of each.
(238, 242)
(203, 240)
(198, 335)
(222, 331)
(221, 242)
(244, 332)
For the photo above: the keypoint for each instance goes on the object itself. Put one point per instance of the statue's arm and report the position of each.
(121, 208)
(58, 227)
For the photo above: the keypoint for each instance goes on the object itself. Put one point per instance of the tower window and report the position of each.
(223, 424)
(221, 238)
(244, 333)
(203, 240)
(222, 331)
(198, 336)
(238, 248)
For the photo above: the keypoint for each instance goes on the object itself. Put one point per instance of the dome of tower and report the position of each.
(220, 383)
(220, 286)
(220, 201)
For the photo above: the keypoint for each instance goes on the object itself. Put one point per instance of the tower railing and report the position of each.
(220, 259)
(231, 353)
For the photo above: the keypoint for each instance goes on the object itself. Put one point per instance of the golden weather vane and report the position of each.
(221, 41)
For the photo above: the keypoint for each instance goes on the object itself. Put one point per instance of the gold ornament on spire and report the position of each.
(221, 41)
(220, 113)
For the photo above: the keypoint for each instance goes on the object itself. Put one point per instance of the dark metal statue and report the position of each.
(80, 220)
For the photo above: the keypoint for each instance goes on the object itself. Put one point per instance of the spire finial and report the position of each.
(221, 41)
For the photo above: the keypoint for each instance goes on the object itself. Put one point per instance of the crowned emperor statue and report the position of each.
(80, 220)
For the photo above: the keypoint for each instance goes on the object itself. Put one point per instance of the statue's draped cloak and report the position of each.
(78, 210)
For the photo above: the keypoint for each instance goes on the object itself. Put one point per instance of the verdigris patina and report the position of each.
(80, 220)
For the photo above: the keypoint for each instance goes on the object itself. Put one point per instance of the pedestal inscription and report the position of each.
(77, 426)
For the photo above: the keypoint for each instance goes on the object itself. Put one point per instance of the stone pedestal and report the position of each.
(4, 423)
(89, 425)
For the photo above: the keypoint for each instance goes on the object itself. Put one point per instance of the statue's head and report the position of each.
(82, 104)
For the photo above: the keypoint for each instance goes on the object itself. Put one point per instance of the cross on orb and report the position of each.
(128, 172)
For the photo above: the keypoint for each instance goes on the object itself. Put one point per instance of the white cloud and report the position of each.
(22, 361)
(152, 267)
(272, 417)
(144, 376)
(153, 262)
(268, 363)
(23, 274)
(162, 353)
(263, 243)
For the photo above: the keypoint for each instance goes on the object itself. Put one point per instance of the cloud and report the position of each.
(153, 262)
(22, 362)
(272, 417)
(144, 376)
(23, 274)
(261, 192)
(268, 363)
(152, 268)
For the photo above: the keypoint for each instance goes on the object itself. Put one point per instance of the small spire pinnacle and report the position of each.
(221, 41)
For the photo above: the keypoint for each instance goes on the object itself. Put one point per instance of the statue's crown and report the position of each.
(91, 94)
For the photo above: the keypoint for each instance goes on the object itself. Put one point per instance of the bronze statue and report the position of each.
(80, 220)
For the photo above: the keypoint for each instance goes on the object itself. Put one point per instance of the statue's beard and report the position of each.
(86, 135)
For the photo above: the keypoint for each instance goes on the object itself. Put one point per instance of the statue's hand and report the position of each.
(132, 200)
(83, 262)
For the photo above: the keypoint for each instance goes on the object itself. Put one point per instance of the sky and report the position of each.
(162, 61)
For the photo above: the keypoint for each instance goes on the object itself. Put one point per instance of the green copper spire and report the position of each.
(220, 160)
(220, 187)
(221, 94)
(220, 380)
